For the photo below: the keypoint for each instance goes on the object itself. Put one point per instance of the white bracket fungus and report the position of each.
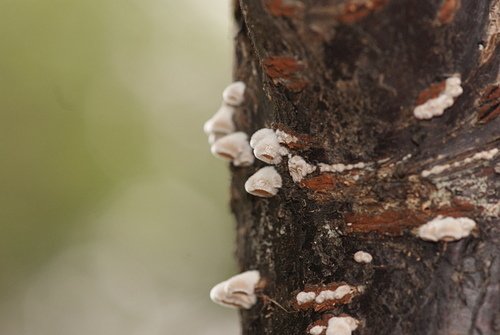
(337, 294)
(299, 168)
(264, 183)
(305, 297)
(362, 257)
(234, 94)
(341, 325)
(220, 124)
(446, 229)
(234, 147)
(237, 291)
(266, 146)
(436, 106)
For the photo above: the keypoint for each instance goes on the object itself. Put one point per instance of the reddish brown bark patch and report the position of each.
(323, 183)
(355, 11)
(430, 92)
(447, 11)
(489, 104)
(286, 71)
(286, 8)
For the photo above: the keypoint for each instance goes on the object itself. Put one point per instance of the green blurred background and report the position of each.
(113, 213)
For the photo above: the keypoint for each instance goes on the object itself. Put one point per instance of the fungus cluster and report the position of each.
(226, 143)
(299, 168)
(446, 229)
(266, 146)
(436, 106)
(334, 325)
(238, 291)
(363, 257)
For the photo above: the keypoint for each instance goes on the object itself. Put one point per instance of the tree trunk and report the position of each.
(344, 78)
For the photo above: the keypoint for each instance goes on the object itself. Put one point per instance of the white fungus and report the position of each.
(305, 297)
(339, 167)
(299, 168)
(264, 183)
(234, 94)
(234, 147)
(444, 228)
(341, 325)
(238, 291)
(337, 294)
(362, 257)
(436, 106)
(316, 330)
(221, 123)
(286, 138)
(266, 146)
(483, 155)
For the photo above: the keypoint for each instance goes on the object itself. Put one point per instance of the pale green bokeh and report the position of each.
(113, 214)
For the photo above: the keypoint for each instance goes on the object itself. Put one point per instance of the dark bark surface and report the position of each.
(344, 76)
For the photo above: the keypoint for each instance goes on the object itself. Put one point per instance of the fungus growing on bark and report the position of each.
(362, 257)
(266, 146)
(446, 229)
(238, 291)
(317, 330)
(299, 168)
(234, 94)
(264, 183)
(220, 124)
(234, 147)
(341, 325)
(305, 297)
(337, 294)
(436, 106)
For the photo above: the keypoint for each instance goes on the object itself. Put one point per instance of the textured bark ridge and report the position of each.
(343, 77)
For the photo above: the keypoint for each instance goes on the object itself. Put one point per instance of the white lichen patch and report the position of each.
(336, 294)
(235, 148)
(286, 138)
(436, 106)
(305, 297)
(446, 229)
(363, 257)
(266, 146)
(238, 291)
(234, 94)
(339, 167)
(264, 183)
(483, 155)
(299, 168)
(341, 325)
(317, 330)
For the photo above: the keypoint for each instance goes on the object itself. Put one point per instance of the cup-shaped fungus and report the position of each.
(264, 183)
(266, 146)
(446, 229)
(234, 147)
(234, 94)
(220, 124)
(238, 291)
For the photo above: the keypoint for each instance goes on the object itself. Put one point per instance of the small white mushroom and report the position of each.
(316, 330)
(221, 123)
(341, 325)
(299, 168)
(266, 146)
(264, 183)
(238, 291)
(305, 297)
(234, 147)
(234, 94)
(362, 257)
(446, 229)
(337, 294)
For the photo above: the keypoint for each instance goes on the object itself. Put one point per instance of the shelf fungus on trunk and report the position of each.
(238, 291)
(446, 229)
(266, 146)
(264, 183)
(235, 148)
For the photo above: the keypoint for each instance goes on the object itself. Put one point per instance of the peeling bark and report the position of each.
(343, 77)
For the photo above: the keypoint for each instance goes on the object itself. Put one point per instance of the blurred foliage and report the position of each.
(101, 108)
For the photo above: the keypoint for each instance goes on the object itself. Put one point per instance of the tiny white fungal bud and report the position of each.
(286, 138)
(238, 291)
(341, 325)
(234, 147)
(362, 257)
(234, 94)
(305, 297)
(264, 183)
(339, 293)
(221, 123)
(299, 168)
(446, 229)
(316, 330)
(266, 146)
(436, 106)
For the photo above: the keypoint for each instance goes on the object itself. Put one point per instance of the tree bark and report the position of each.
(343, 77)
